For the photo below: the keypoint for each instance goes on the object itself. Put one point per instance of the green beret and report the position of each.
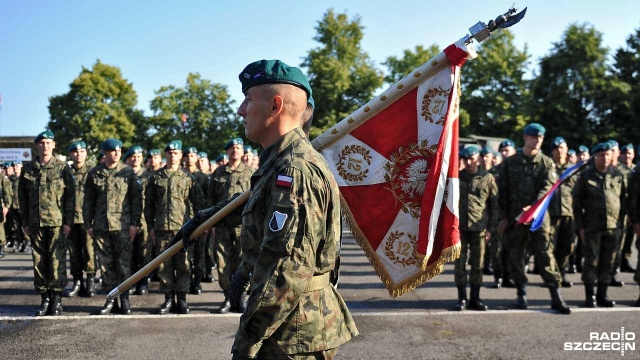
(222, 157)
(100, 156)
(601, 147)
(202, 155)
(133, 150)
(191, 149)
(626, 148)
(582, 149)
(273, 71)
(232, 142)
(48, 134)
(469, 152)
(16, 162)
(485, 150)
(173, 145)
(571, 152)
(255, 152)
(534, 129)
(311, 102)
(111, 145)
(153, 152)
(77, 145)
(506, 143)
(557, 141)
(613, 143)
(247, 149)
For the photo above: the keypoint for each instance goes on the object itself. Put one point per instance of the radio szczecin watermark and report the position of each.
(606, 341)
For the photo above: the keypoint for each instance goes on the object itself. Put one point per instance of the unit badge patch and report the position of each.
(277, 221)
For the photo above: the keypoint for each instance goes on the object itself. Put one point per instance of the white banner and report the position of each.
(12, 154)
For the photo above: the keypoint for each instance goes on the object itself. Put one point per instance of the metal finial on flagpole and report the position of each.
(481, 31)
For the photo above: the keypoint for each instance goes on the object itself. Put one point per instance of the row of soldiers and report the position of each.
(592, 217)
(118, 215)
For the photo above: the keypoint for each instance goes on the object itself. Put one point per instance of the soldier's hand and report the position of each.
(190, 226)
(66, 229)
(487, 236)
(239, 284)
(25, 229)
(133, 231)
(5, 211)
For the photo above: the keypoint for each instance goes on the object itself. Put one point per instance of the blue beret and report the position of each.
(133, 150)
(557, 141)
(173, 145)
(469, 152)
(626, 148)
(255, 152)
(311, 102)
(571, 152)
(191, 149)
(202, 155)
(506, 143)
(613, 143)
(582, 149)
(485, 150)
(48, 134)
(153, 152)
(273, 71)
(16, 162)
(77, 145)
(247, 149)
(497, 154)
(111, 145)
(601, 147)
(232, 142)
(222, 157)
(534, 129)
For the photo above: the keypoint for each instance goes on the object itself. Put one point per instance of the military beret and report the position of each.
(557, 141)
(16, 162)
(191, 149)
(255, 152)
(203, 155)
(613, 143)
(48, 134)
(582, 149)
(601, 147)
(469, 152)
(311, 102)
(571, 152)
(506, 143)
(212, 162)
(534, 129)
(221, 157)
(485, 150)
(497, 154)
(153, 152)
(77, 145)
(111, 145)
(100, 156)
(273, 71)
(164, 160)
(626, 148)
(173, 145)
(247, 149)
(133, 150)
(232, 142)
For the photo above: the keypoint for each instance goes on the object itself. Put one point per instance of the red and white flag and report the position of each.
(396, 163)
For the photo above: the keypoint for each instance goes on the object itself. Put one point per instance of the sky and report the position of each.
(45, 44)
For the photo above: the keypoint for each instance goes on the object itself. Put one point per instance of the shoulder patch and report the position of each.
(277, 221)
(284, 181)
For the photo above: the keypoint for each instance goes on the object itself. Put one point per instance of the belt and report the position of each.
(318, 282)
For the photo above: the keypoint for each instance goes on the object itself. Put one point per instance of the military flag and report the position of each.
(396, 162)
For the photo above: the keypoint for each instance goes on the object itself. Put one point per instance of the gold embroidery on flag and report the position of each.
(434, 105)
(353, 163)
(405, 249)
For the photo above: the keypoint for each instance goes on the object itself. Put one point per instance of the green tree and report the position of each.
(494, 91)
(98, 106)
(399, 67)
(342, 76)
(210, 116)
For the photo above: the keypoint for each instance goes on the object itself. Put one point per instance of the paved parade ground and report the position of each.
(418, 325)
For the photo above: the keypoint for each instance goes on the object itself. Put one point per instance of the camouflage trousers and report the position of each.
(563, 233)
(175, 273)
(49, 250)
(142, 250)
(518, 238)
(197, 254)
(266, 353)
(209, 257)
(228, 254)
(81, 251)
(599, 248)
(624, 246)
(114, 252)
(3, 236)
(14, 226)
(636, 276)
(472, 250)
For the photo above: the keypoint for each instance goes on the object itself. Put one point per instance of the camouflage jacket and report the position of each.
(112, 199)
(170, 197)
(478, 201)
(633, 187)
(14, 180)
(290, 239)
(226, 182)
(6, 195)
(80, 175)
(143, 176)
(47, 194)
(562, 201)
(522, 181)
(202, 180)
(600, 200)
(495, 171)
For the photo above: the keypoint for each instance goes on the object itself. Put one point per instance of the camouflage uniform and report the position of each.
(142, 252)
(599, 206)
(112, 204)
(634, 214)
(290, 236)
(6, 195)
(478, 212)
(563, 229)
(198, 251)
(14, 221)
(522, 181)
(47, 197)
(627, 233)
(170, 197)
(228, 252)
(81, 246)
(499, 247)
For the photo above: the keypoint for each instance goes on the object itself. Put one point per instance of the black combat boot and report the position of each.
(475, 303)
(91, 286)
(226, 305)
(44, 304)
(521, 300)
(462, 298)
(242, 304)
(75, 289)
(497, 282)
(110, 306)
(143, 286)
(614, 280)
(590, 298)
(557, 303)
(183, 307)
(208, 277)
(168, 304)
(565, 283)
(125, 306)
(602, 299)
(56, 304)
(196, 288)
(26, 247)
(625, 266)
(1, 251)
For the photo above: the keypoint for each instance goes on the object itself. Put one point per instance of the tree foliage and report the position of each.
(99, 105)
(342, 75)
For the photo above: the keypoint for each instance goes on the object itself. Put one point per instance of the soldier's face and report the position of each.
(584, 156)
(78, 156)
(203, 164)
(45, 147)
(507, 151)
(173, 157)
(235, 152)
(573, 158)
(156, 160)
(112, 156)
(471, 163)
(603, 159)
(192, 159)
(497, 160)
(487, 160)
(627, 156)
(17, 169)
(134, 160)
(533, 141)
(9, 170)
(256, 111)
(560, 151)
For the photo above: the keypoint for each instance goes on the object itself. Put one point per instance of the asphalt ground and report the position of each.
(418, 325)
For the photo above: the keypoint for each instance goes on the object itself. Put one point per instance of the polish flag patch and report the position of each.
(284, 181)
